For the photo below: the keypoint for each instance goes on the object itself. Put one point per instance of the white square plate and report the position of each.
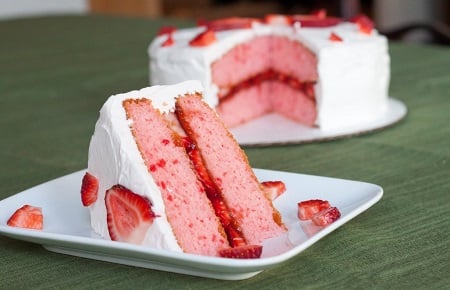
(67, 225)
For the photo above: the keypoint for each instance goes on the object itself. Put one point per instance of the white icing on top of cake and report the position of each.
(114, 158)
(353, 74)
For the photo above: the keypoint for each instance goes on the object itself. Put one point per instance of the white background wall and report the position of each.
(24, 8)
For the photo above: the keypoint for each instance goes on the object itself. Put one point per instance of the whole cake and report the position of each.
(164, 172)
(316, 70)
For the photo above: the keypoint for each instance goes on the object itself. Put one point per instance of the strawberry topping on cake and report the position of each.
(205, 38)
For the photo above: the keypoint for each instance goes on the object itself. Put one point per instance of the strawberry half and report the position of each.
(365, 24)
(129, 215)
(27, 216)
(89, 189)
(326, 216)
(273, 188)
(242, 252)
(204, 39)
(308, 208)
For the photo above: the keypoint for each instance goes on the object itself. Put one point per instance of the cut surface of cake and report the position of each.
(316, 70)
(164, 172)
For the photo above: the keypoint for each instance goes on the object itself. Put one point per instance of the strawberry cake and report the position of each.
(317, 70)
(164, 172)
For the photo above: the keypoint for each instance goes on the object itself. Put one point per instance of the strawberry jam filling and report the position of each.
(234, 234)
(270, 75)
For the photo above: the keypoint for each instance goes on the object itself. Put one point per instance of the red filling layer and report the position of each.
(270, 75)
(234, 234)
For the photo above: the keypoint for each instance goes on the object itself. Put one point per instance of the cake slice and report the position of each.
(164, 172)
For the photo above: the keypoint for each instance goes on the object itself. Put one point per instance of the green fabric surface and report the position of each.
(56, 72)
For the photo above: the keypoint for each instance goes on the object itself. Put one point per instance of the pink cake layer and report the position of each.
(261, 54)
(270, 96)
(264, 75)
(188, 210)
(229, 169)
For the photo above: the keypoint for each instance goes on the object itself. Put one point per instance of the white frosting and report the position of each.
(114, 159)
(353, 74)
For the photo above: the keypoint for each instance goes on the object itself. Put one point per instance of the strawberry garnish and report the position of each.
(205, 38)
(242, 252)
(326, 216)
(315, 21)
(320, 13)
(129, 215)
(166, 30)
(307, 208)
(269, 75)
(27, 216)
(231, 23)
(365, 24)
(169, 41)
(277, 19)
(89, 189)
(273, 188)
(334, 37)
(235, 237)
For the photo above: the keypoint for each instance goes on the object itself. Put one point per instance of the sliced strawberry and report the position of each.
(315, 21)
(231, 23)
(334, 37)
(166, 30)
(320, 13)
(199, 166)
(307, 208)
(242, 252)
(169, 41)
(204, 39)
(326, 216)
(273, 188)
(129, 215)
(235, 237)
(365, 24)
(277, 19)
(27, 216)
(89, 189)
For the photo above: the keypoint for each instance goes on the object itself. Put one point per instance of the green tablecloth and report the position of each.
(56, 72)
